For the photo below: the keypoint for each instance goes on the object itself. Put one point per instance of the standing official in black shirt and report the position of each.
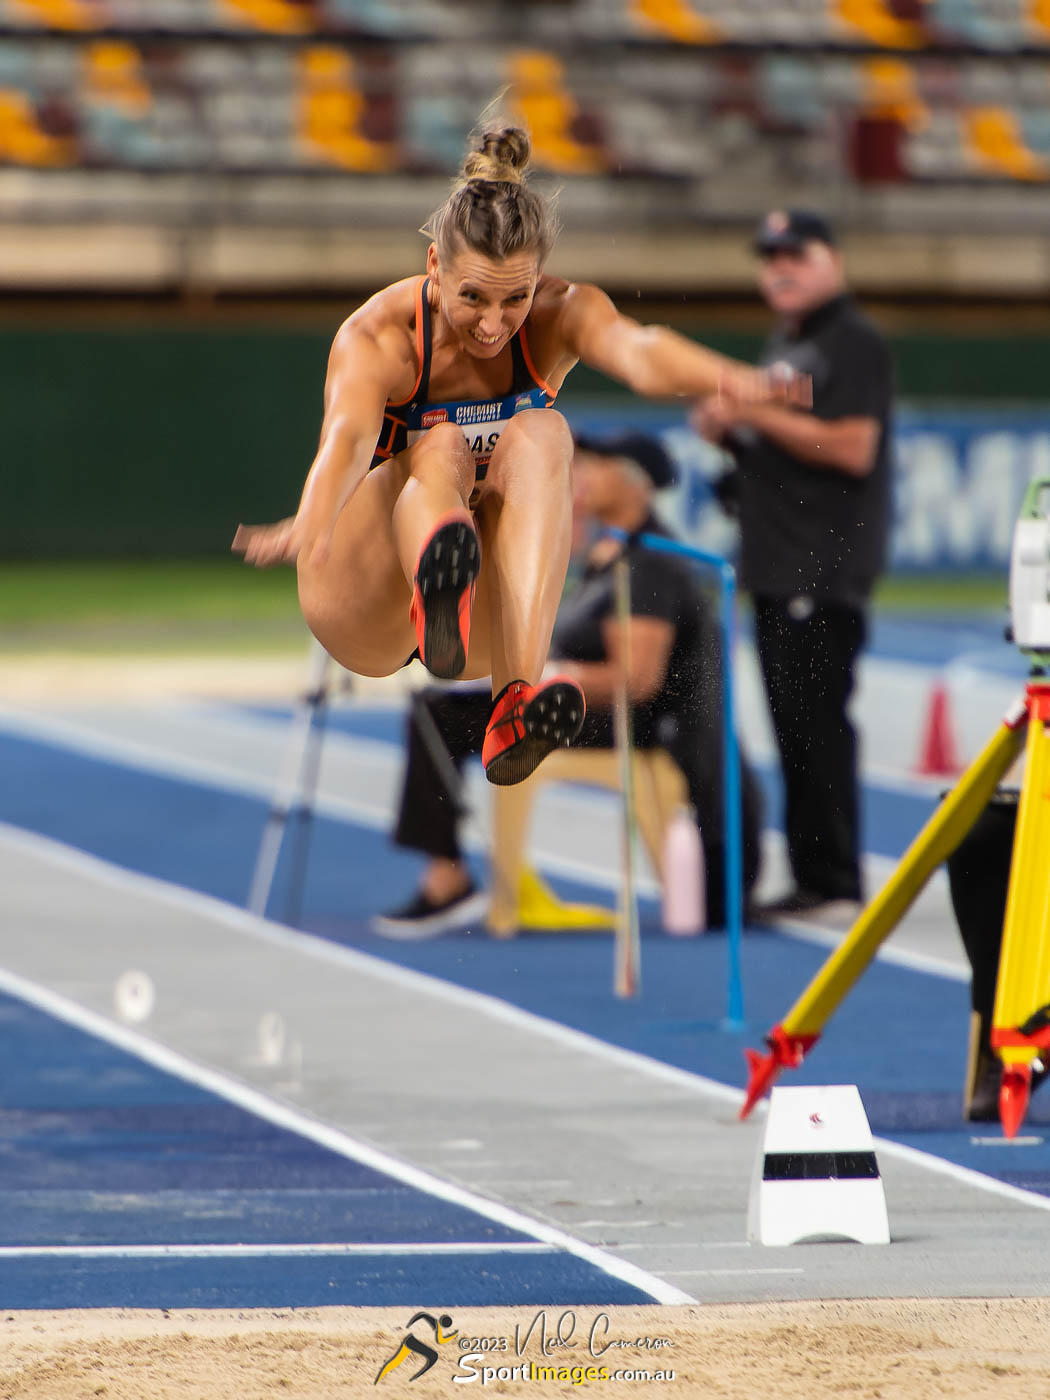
(813, 491)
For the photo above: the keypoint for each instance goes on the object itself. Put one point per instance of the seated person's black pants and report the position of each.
(429, 812)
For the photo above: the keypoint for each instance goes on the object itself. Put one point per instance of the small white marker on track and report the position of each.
(134, 996)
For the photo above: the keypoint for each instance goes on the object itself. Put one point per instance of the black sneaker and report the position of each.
(807, 904)
(421, 917)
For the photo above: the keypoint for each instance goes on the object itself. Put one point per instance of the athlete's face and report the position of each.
(484, 300)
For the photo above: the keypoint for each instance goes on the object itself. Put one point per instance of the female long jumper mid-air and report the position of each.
(437, 512)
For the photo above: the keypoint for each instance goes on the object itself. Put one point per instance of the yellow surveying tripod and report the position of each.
(1020, 1031)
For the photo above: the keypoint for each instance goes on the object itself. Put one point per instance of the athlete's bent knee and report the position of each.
(541, 432)
(443, 449)
(539, 424)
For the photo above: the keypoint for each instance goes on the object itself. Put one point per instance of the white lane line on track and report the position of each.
(261, 1251)
(137, 753)
(423, 984)
(282, 1116)
(181, 767)
(902, 957)
(152, 758)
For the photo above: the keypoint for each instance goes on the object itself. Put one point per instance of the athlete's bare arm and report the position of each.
(372, 361)
(653, 361)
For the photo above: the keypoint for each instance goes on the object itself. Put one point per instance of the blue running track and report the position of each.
(122, 1185)
(98, 1148)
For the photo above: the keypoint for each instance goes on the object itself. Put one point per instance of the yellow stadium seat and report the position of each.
(274, 16)
(674, 19)
(60, 14)
(878, 24)
(113, 75)
(22, 142)
(544, 105)
(331, 110)
(1039, 14)
(891, 91)
(994, 138)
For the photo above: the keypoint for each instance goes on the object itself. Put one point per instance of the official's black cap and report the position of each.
(647, 452)
(789, 230)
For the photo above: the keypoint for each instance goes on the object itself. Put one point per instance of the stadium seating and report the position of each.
(541, 99)
(736, 102)
(331, 113)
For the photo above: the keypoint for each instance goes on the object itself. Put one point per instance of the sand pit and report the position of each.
(901, 1349)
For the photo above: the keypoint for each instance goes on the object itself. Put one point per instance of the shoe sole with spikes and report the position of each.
(444, 596)
(535, 723)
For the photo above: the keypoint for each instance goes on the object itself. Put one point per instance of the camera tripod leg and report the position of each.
(791, 1039)
(296, 786)
(1021, 1019)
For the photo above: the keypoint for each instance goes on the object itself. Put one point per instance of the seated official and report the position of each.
(674, 688)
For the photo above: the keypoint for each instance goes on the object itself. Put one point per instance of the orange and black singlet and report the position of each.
(482, 420)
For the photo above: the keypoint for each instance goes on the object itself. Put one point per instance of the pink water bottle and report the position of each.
(685, 886)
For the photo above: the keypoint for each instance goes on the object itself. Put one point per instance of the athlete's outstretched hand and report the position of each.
(267, 545)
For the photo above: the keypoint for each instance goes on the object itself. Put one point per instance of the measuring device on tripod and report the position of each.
(1020, 1032)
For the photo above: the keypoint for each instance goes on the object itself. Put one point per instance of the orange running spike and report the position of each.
(527, 723)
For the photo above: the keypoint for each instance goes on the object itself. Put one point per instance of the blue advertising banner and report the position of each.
(959, 477)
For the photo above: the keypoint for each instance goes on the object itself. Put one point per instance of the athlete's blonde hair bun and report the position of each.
(501, 156)
(492, 208)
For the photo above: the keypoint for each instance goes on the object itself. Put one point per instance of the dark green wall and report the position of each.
(156, 441)
(153, 442)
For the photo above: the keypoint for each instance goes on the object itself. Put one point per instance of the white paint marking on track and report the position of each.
(617, 1224)
(262, 1251)
(215, 1082)
(720, 1273)
(1029, 1141)
(310, 945)
(689, 1244)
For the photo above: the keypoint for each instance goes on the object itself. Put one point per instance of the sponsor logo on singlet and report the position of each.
(468, 414)
(481, 423)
